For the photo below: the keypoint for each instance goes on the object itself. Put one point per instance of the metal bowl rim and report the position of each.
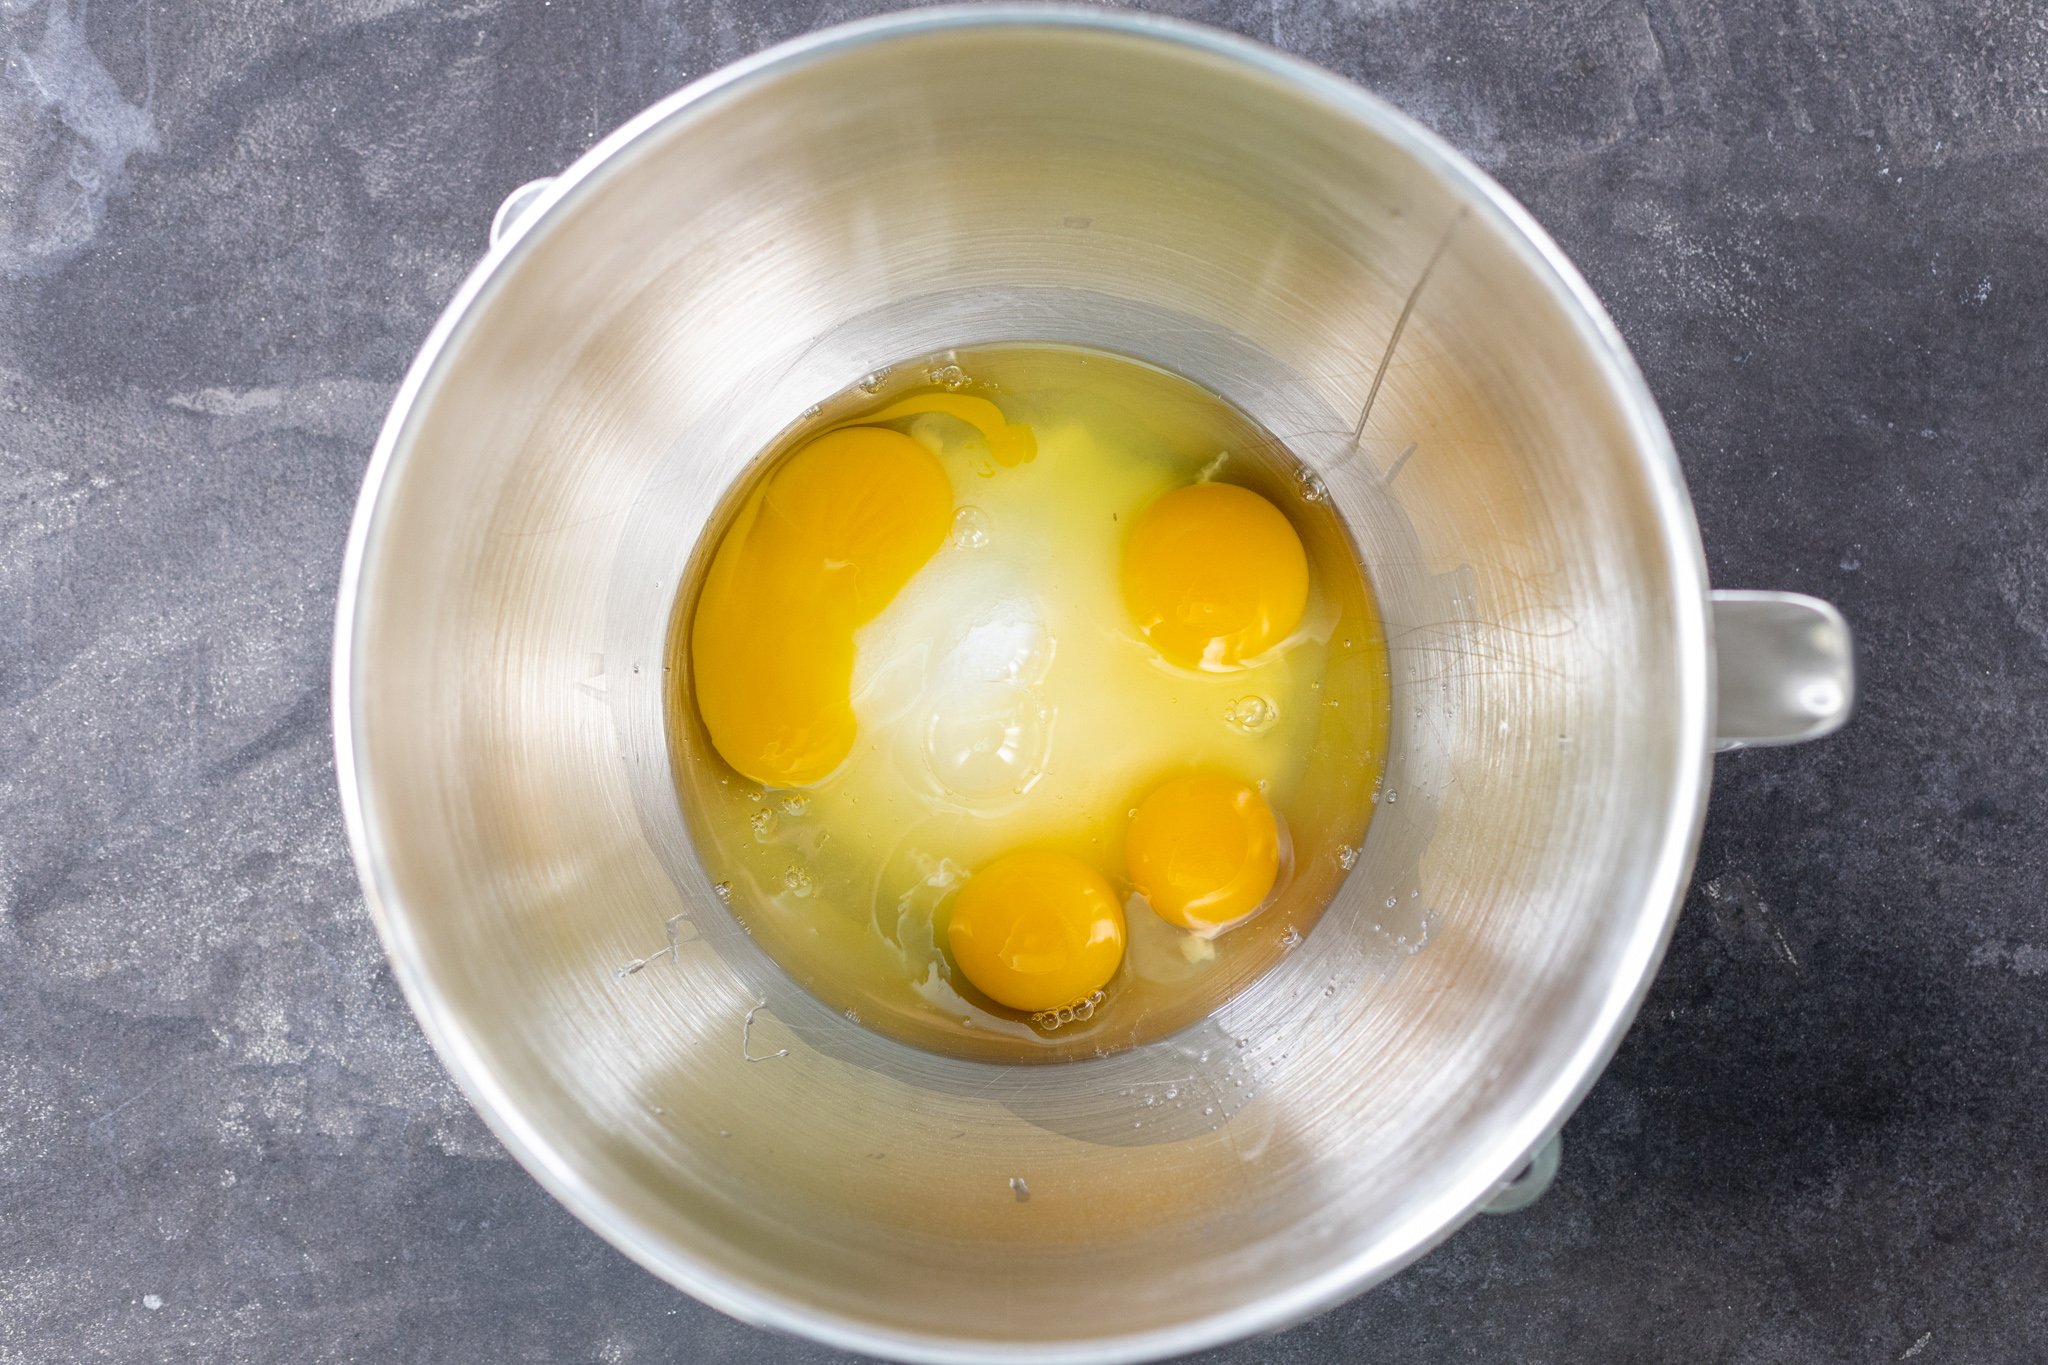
(1682, 821)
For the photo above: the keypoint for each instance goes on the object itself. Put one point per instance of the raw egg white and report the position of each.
(1014, 700)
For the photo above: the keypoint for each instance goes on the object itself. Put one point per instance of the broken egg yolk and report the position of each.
(1214, 575)
(1204, 851)
(820, 548)
(1009, 443)
(824, 544)
(1036, 930)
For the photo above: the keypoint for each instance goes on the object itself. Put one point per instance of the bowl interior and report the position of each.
(888, 191)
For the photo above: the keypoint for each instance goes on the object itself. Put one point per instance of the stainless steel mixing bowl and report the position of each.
(647, 321)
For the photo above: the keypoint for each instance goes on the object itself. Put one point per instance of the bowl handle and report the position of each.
(1527, 1185)
(1785, 669)
(515, 206)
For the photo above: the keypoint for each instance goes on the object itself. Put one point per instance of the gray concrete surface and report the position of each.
(224, 228)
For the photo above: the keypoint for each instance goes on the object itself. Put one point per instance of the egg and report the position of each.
(1215, 575)
(1037, 930)
(824, 544)
(1204, 851)
(1021, 701)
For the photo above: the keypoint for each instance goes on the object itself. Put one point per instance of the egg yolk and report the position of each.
(1037, 930)
(1214, 575)
(1204, 851)
(821, 547)
(1009, 443)
(818, 551)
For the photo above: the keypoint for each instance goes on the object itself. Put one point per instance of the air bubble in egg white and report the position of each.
(1252, 715)
(970, 528)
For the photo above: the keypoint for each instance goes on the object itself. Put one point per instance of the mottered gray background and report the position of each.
(225, 225)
